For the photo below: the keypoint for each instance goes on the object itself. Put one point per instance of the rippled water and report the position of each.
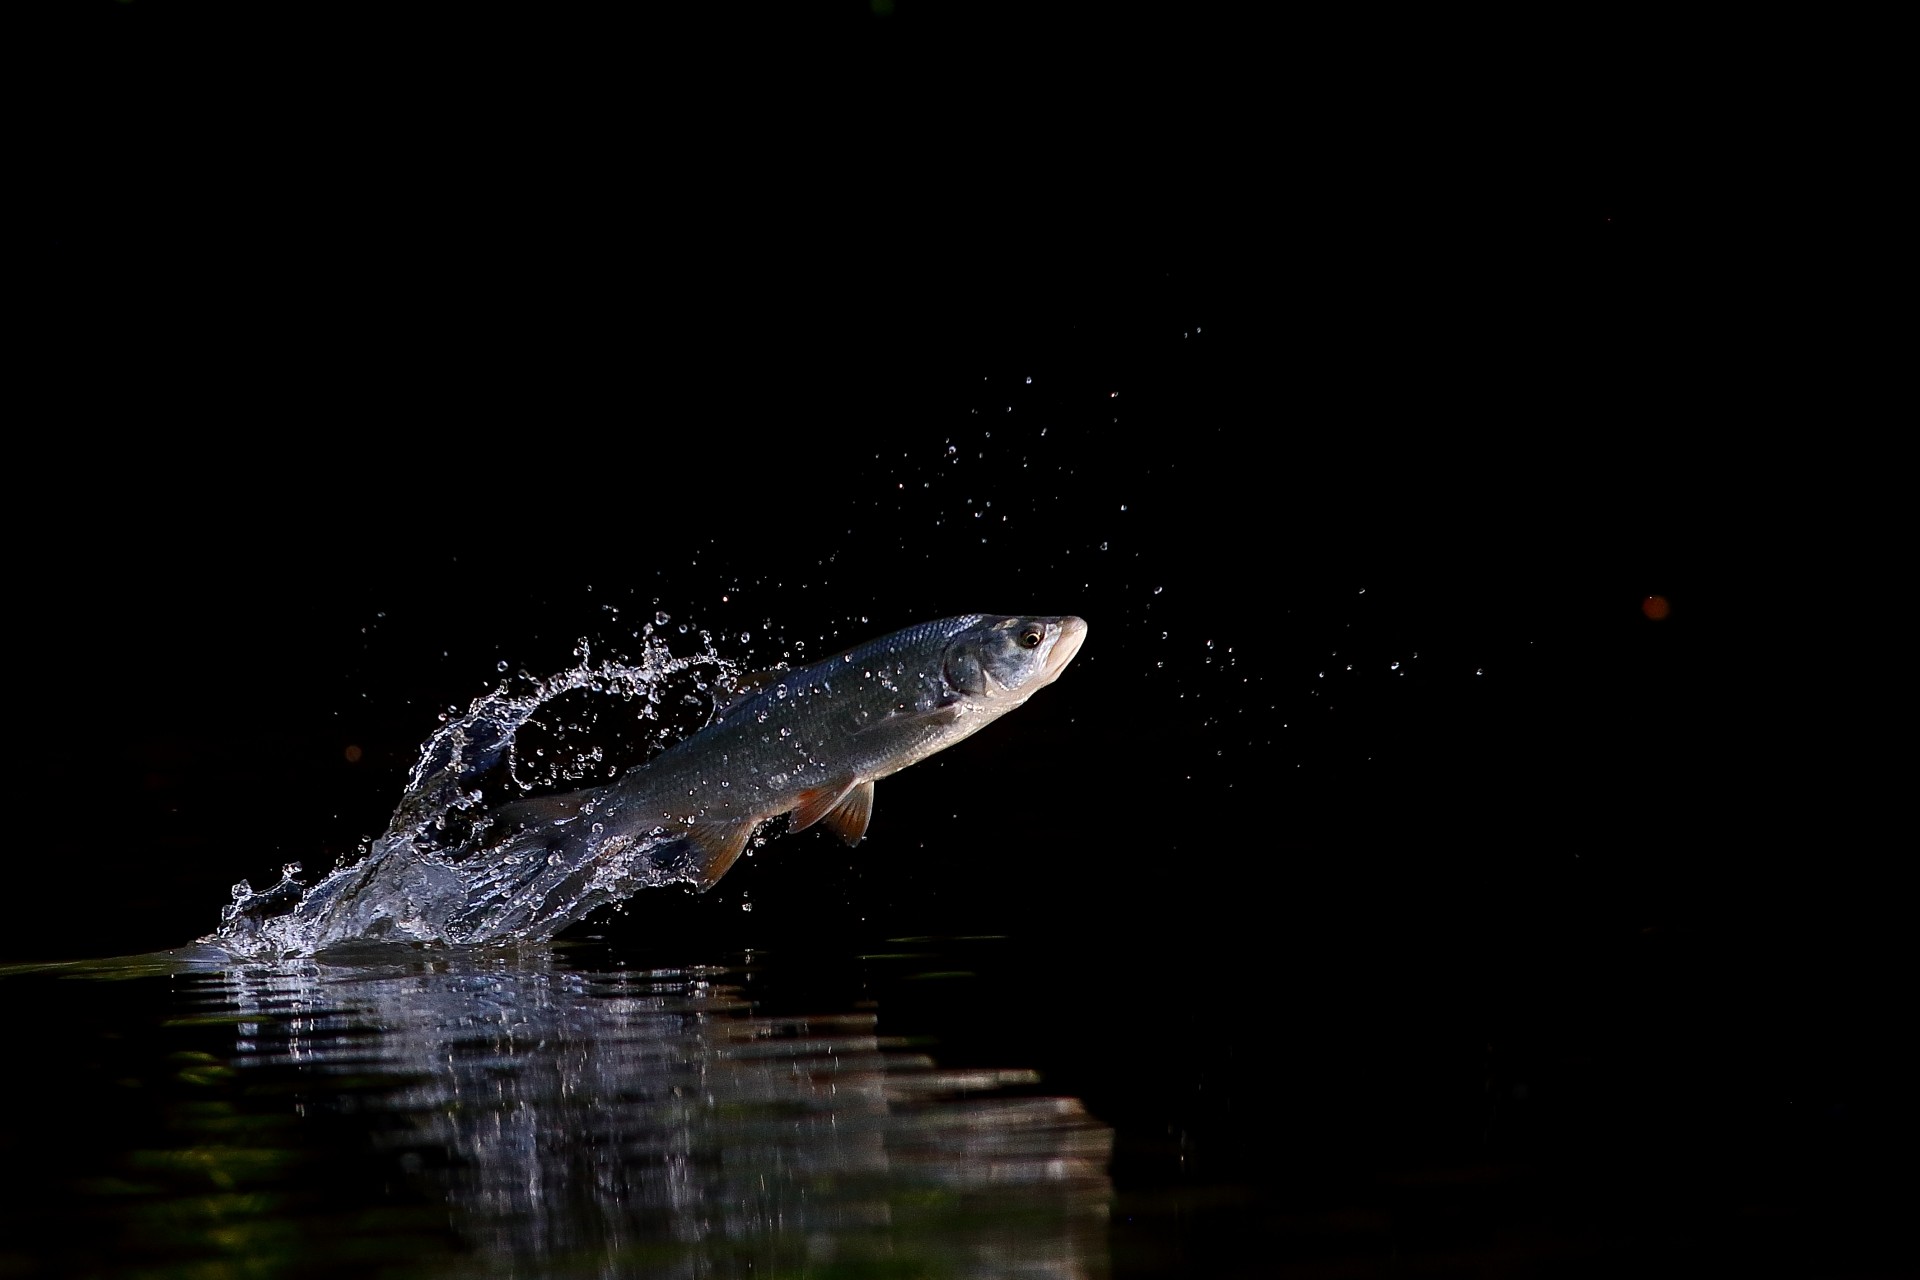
(1402, 1095)
(547, 1114)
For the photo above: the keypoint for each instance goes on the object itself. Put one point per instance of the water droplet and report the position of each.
(1393, 666)
(661, 618)
(746, 906)
(1029, 381)
(500, 665)
(1158, 590)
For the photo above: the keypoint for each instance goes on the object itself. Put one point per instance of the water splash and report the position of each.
(441, 873)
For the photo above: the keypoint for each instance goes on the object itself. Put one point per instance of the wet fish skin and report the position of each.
(810, 742)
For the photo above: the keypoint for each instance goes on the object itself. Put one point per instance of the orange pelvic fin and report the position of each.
(850, 817)
(846, 807)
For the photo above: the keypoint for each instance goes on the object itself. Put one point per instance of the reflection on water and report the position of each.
(514, 1116)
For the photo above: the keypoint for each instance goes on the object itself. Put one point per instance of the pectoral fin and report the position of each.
(946, 711)
(717, 846)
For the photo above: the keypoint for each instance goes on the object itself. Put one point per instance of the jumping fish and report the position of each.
(808, 742)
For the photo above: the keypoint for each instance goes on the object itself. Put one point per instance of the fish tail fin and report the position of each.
(522, 815)
(539, 854)
(507, 869)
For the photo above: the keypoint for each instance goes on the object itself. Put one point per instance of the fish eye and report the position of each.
(1030, 638)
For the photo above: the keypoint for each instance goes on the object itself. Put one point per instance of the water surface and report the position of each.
(552, 1113)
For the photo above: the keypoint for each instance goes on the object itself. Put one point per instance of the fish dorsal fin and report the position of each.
(718, 845)
(850, 817)
(744, 688)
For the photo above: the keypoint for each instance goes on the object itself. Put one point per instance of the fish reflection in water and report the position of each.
(621, 1124)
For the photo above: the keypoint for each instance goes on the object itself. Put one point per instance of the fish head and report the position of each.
(1006, 660)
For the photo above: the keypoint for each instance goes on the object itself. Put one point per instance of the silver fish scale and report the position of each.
(773, 743)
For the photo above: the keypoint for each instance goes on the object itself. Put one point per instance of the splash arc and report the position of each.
(807, 744)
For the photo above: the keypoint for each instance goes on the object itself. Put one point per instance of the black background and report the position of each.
(369, 359)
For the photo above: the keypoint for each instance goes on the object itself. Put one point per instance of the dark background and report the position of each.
(371, 359)
(378, 357)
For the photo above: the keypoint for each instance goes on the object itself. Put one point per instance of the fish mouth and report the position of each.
(1073, 633)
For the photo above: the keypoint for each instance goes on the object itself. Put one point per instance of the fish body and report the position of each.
(809, 742)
